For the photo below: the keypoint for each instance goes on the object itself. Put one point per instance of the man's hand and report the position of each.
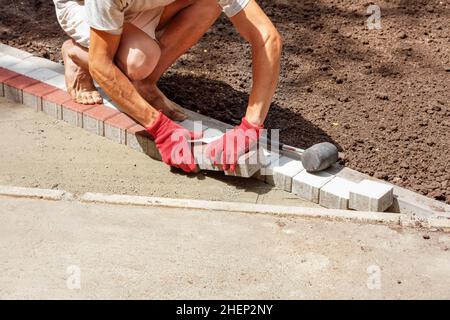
(173, 142)
(227, 150)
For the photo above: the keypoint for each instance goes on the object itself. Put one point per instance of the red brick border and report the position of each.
(12, 88)
(52, 102)
(32, 95)
(93, 119)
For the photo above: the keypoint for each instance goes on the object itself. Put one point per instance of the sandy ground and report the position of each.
(38, 151)
(74, 250)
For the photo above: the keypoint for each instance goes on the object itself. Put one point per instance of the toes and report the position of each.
(97, 98)
(83, 99)
(86, 98)
(89, 98)
(79, 99)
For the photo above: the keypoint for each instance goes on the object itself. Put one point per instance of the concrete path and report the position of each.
(39, 151)
(77, 250)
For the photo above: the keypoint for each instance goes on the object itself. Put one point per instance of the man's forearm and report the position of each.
(266, 70)
(102, 68)
(255, 27)
(121, 90)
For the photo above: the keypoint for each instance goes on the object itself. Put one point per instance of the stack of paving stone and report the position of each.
(39, 83)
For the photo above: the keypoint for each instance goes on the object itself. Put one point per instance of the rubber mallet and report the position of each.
(317, 158)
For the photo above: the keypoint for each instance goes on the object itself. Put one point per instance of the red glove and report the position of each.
(227, 150)
(172, 141)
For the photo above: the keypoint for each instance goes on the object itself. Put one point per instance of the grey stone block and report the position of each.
(308, 185)
(47, 64)
(93, 125)
(336, 193)
(247, 165)
(14, 52)
(23, 67)
(52, 109)
(72, 117)
(12, 93)
(116, 134)
(281, 171)
(202, 161)
(371, 196)
(6, 61)
(58, 82)
(42, 74)
(32, 101)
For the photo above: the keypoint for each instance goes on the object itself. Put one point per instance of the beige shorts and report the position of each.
(73, 20)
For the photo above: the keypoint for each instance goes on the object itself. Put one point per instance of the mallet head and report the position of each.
(320, 157)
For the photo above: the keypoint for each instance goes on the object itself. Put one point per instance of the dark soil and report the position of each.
(382, 96)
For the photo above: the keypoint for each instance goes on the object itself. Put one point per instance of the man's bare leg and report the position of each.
(182, 24)
(78, 80)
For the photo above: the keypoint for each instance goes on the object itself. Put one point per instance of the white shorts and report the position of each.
(73, 20)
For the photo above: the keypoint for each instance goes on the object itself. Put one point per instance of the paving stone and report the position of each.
(23, 67)
(52, 103)
(6, 61)
(14, 52)
(371, 196)
(265, 158)
(46, 64)
(280, 173)
(5, 75)
(202, 161)
(12, 88)
(307, 185)
(336, 193)
(211, 134)
(32, 95)
(193, 125)
(42, 74)
(58, 82)
(247, 165)
(139, 139)
(72, 112)
(116, 127)
(93, 119)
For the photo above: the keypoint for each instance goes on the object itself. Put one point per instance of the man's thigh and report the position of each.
(171, 10)
(138, 53)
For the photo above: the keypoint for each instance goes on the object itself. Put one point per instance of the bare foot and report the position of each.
(157, 99)
(78, 80)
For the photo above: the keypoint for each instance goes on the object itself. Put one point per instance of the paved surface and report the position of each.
(38, 151)
(136, 252)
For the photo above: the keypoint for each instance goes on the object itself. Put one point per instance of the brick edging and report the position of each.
(48, 96)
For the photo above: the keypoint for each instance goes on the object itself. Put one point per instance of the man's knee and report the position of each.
(139, 63)
(210, 9)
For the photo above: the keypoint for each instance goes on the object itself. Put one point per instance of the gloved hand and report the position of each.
(227, 150)
(172, 141)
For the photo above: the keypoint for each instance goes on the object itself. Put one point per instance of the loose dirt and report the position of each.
(382, 95)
